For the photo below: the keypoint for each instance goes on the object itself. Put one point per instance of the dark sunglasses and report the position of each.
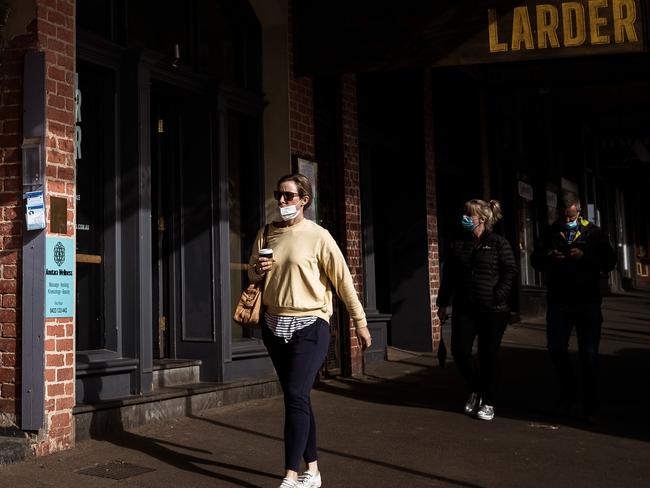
(288, 195)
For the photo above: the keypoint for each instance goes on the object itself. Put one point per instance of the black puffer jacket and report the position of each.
(478, 274)
(574, 281)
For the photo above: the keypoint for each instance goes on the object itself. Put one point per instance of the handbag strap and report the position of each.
(266, 236)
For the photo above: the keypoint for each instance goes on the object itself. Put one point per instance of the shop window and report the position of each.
(161, 25)
(245, 197)
(217, 38)
(229, 42)
(95, 16)
(95, 194)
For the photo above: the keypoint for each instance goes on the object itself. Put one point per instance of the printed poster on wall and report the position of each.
(59, 277)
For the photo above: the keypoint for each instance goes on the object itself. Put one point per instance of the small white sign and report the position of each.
(34, 210)
(525, 190)
(593, 213)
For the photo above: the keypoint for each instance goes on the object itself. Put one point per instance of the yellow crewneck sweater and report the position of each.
(306, 257)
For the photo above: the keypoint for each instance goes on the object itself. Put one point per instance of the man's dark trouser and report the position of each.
(587, 319)
(489, 327)
(297, 362)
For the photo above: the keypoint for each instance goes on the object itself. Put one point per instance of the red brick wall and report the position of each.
(301, 107)
(56, 36)
(11, 212)
(353, 246)
(432, 212)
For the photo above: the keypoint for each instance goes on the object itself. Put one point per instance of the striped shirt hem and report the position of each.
(284, 326)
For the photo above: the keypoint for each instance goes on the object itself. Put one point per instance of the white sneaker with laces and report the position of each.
(288, 483)
(485, 412)
(473, 402)
(309, 480)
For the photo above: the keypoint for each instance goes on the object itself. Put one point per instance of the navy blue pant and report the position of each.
(466, 326)
(297, 363)
(587, 319)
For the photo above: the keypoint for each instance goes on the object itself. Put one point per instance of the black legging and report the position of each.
(489, 327)
(297, 363)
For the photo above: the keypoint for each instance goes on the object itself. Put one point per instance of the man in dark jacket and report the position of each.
(574, 252)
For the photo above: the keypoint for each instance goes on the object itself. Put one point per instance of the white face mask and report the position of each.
(289, 212)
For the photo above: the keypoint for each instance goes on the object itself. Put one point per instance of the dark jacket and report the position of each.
(478, 274)
(575, 280)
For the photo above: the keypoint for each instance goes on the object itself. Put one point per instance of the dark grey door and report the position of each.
(185, 299)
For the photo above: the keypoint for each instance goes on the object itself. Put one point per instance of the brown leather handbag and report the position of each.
(248, 312)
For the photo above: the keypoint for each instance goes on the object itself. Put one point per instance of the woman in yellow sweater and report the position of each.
(306, 263)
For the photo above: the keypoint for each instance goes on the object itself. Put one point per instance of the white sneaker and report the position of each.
(485, 412)
(309, 480)
(473, 402)
(288, 483)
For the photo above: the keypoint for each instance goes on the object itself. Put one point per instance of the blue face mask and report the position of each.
(467, 223)
(573, 225)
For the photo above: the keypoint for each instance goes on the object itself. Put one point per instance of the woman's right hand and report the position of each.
(263, 265)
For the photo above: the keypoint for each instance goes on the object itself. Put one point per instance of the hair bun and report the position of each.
(497, 214)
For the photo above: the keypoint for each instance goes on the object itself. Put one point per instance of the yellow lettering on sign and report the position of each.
(521, 30)
(596, 21)
(493, 33)
(624, 24)
(547, 21)
(573, 24)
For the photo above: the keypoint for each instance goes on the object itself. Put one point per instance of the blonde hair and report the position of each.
(490, 211)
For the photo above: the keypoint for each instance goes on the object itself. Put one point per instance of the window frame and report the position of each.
(107, 57)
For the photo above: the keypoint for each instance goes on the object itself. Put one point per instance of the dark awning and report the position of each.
(337, 36)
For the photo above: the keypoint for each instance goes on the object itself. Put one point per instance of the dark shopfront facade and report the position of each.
(174, 112)
(179, 112)
(530, 100)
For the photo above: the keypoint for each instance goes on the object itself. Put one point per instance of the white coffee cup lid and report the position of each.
(266, 250)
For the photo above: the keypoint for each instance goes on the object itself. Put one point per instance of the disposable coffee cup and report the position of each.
(266, 253)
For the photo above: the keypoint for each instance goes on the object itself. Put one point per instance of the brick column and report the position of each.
(56, 37)
(11, 212)
(353, 245)
(432, 212)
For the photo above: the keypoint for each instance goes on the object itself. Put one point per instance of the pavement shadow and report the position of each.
(168, 452)
(527, 392)
(347, 456)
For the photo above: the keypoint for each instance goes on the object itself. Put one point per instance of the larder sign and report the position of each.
(340, 36)
(59, 277)
(561, 25)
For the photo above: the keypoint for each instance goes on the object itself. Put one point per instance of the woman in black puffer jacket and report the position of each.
(477, 278)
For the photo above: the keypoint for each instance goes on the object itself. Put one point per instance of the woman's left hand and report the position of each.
(364, 338)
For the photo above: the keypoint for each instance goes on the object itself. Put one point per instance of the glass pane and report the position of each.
(95, 16)
(196, 225)
(161, 25)
(96, 88)
(229, 42)
(529, 277)
(218, 45)
(245, 202)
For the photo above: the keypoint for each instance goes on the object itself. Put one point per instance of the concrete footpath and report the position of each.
(401, 426)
